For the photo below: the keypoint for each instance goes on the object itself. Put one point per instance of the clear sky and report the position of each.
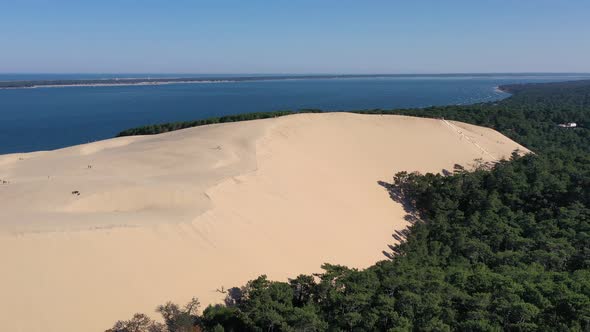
(294, 36)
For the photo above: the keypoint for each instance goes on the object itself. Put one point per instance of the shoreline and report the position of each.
(90, 85)
(502, 89)
(31, 84)
(52, 83)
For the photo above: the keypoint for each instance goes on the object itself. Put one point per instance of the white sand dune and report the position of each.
(182, 214)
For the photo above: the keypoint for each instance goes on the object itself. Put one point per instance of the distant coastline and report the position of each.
(102, 82)
(109, 82)
(499, 88)
(30, 84)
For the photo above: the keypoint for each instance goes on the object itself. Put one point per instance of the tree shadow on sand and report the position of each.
(400, 192)
(399, 195)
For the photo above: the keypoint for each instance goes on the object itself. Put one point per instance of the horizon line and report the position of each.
(306, 73)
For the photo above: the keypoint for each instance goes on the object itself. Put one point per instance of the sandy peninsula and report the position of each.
(94, 233)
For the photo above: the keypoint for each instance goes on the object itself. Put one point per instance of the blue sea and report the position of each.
(55, 117)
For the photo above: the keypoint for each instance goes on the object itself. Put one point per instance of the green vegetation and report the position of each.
(171, 126)
(505, 248)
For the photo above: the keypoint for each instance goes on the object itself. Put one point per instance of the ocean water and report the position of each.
(52, 118)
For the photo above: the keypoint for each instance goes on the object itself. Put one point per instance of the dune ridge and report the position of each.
(185, 213)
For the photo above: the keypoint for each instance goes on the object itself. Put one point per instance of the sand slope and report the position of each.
(170, 216)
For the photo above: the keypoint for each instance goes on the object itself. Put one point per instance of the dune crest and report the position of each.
(93, 233)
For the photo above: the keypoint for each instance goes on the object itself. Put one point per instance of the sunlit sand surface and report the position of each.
(94, 233)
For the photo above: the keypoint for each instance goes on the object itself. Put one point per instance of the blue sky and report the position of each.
(295, 36)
